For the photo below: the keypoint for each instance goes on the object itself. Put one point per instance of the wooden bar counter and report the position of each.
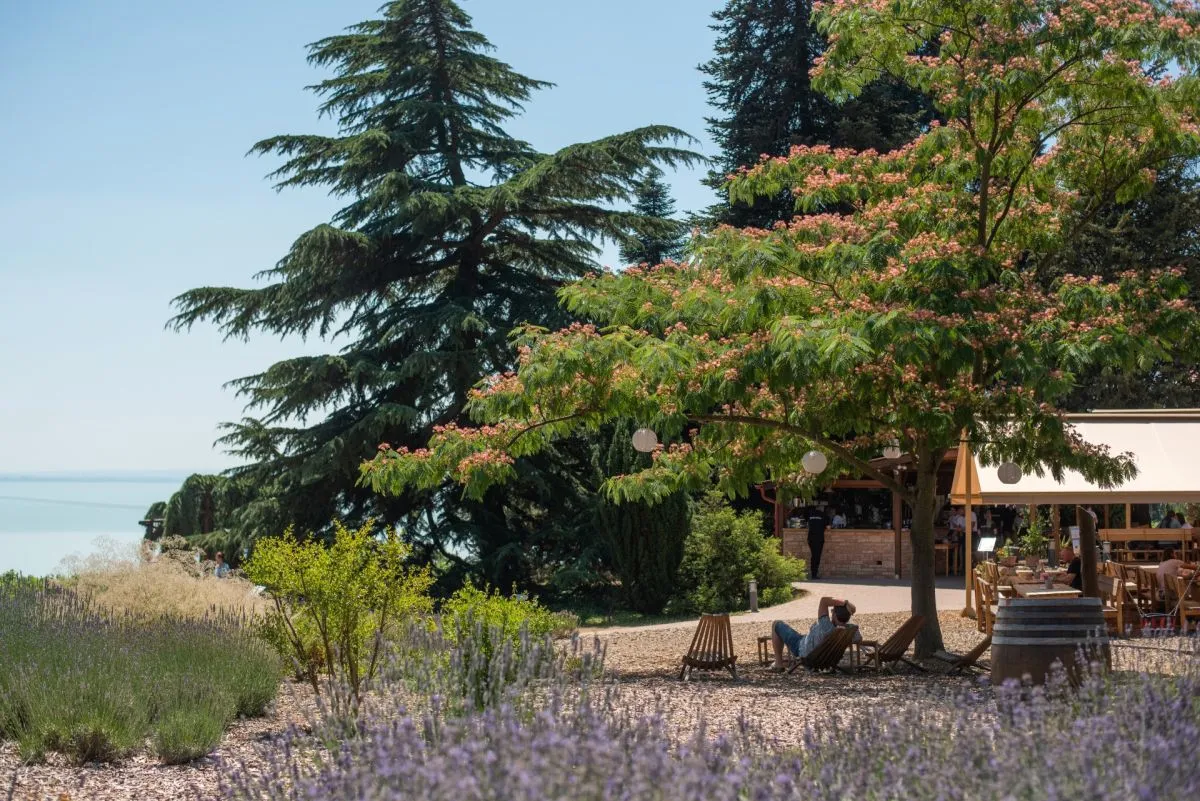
(854, 552)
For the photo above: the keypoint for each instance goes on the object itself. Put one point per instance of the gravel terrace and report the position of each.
(645, 662)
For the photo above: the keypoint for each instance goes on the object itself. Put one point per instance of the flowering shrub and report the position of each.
(723, 552)
(496, 637)
(77, 679)
(334, 605)
(1132, 736)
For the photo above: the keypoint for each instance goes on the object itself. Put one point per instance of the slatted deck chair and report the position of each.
(968, 662)
(891, 652)
(711, 648)
(828, 655)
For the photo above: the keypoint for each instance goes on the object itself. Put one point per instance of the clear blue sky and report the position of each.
(124, 129)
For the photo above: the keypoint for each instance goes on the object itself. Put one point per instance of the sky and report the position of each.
(124, 130)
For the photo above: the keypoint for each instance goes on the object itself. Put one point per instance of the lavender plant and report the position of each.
(1126, 735)
(77, 679)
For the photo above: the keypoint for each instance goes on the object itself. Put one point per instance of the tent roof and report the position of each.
(1164, 444)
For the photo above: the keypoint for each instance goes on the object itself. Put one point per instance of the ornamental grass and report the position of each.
(96, 685)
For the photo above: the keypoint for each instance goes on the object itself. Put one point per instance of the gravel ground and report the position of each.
(645, 663)
(141, 777)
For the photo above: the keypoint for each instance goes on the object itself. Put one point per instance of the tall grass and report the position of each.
(94, 684)
(123, 581)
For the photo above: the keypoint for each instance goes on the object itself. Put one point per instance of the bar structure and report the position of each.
(875, 541)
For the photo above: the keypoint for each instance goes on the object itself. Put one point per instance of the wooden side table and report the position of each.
(764, 650)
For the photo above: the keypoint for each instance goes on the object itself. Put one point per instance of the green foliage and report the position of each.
(1035, 540)
(644, 541)
(334, 605)
(498, 638)
(723, 552)
(759, 86)
(453, 233)
(904, 303)
(93, 685)
(653, 200)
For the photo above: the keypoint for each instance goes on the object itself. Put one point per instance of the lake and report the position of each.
(44, 519)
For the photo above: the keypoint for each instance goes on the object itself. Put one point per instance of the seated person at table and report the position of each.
(831, 613)
(1171, 567)
(1074, 566)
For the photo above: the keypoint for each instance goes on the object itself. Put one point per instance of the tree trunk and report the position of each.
(924, 596)
(1087, 553)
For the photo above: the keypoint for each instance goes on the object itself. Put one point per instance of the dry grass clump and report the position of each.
(144, 586)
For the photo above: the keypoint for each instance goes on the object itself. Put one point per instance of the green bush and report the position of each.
(497, 639)
(335, 605)
(723, 552)
(91, 684)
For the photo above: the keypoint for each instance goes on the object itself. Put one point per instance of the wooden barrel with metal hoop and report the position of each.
(1031, 635)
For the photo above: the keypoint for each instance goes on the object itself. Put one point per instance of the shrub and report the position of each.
(726, 549)
(1132, 737)
(495, 637)
(334, 605)
(164, 587)
(79, 679)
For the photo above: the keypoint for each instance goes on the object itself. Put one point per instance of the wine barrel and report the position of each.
(1031, 635)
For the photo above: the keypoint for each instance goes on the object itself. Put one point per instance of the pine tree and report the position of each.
(654, 200)
(759, 85)
(454, 232)
(645, 542)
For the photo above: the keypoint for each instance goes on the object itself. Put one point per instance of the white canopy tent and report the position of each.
(1164, 445)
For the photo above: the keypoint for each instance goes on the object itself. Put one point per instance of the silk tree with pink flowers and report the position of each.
(900, 303)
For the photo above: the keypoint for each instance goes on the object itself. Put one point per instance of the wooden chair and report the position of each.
(968, 662)
(1130, 582)
(893, 648)
(988, 607)
(1112, 596)
(711, 648)
(828, 655)
(979, 577)
(1188, 606)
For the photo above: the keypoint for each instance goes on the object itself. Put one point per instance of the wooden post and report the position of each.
(1107, 524)
(1087, 557)
(968, 608)
(898, 528)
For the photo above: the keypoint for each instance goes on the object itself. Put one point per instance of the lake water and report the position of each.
(44, 520)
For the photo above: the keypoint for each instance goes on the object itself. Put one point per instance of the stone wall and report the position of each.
(854, 553)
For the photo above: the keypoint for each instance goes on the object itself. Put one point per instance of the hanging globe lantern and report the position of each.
(814, 462)
(892, 451)
(644, 440)
(1008, 473)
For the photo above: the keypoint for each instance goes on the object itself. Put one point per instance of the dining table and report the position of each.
(1038, 590)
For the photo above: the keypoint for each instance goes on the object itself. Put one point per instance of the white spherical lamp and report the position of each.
(892, 451)
(644, 440)
(814, 462)
(1008, 473)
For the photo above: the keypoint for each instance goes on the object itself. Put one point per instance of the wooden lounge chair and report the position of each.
(968, 662)
(826, 656)
(711, 648)
(893, 649)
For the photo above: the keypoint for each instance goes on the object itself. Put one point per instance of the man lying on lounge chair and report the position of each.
(831, 613)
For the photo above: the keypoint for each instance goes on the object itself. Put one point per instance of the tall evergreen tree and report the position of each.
(758, 82)
(654, 200)
(644, 541)
(453, 233)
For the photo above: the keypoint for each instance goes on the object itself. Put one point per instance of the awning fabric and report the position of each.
(1165, 446)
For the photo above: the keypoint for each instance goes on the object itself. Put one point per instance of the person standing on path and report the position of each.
(816, 541)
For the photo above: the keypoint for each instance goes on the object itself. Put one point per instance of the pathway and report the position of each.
(869, 596)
